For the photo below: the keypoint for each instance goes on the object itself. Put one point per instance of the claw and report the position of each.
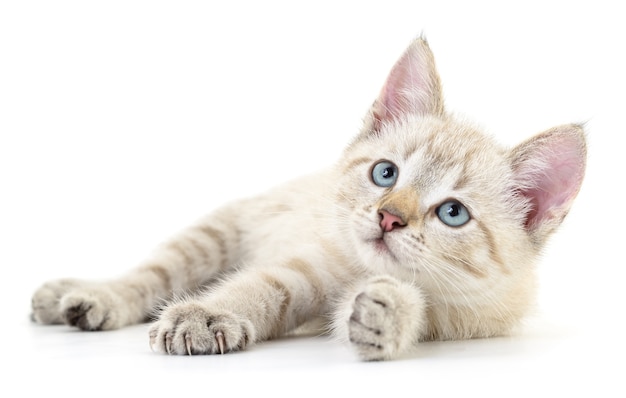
(219, 336)
(168, 343)
(152, 340)
(188, 344)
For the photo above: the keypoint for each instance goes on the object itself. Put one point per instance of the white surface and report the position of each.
(122, 122)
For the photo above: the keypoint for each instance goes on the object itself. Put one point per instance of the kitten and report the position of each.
(425, 229)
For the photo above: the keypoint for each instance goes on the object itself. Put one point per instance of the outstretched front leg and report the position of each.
(385, 319)
(254, 305)
(183, 264)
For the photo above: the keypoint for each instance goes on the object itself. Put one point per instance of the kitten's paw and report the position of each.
(45, 303)
(386, 320)
(86, 305)
(190, 328)
(93, 308)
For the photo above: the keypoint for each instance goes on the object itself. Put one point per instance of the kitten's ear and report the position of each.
(413, 87)
(549, 169)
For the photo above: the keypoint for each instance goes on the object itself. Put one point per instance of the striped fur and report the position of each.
(315, 248)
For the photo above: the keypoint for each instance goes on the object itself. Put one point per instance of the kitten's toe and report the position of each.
(191, 329)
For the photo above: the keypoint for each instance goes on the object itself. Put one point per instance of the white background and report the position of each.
(123, 121)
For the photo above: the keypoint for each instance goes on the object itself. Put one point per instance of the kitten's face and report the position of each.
(433, 200)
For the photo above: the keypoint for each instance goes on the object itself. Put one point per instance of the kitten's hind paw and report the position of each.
(191, 329)
(45, 303)
(86, 305)
(91, 309)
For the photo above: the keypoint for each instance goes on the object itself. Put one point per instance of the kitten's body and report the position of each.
(365, 247)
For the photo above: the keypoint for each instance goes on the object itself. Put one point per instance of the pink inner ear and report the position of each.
(403, 89)
(555, 166)
(412, 86)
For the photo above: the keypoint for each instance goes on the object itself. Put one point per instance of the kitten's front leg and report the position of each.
(256, 304)
(387, 319)
(195, 327)
(183, 264)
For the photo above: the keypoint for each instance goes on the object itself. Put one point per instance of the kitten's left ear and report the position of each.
(549, 169)
(413, 87)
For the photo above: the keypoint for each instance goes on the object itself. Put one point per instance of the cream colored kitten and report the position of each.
(425, 229)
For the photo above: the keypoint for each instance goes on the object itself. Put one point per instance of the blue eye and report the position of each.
(384, 174)
(453, 213)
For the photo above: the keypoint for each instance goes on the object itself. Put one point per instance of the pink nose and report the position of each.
(390, 221)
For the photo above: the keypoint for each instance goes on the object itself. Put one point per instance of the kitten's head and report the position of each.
(427, 196)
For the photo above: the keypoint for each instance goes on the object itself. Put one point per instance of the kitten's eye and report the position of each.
(453, 213)
(384, 174)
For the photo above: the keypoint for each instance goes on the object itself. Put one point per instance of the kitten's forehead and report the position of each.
(443, 139)
(436, 149)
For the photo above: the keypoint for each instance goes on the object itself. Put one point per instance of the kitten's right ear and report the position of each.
(548, 170)
(413, 87)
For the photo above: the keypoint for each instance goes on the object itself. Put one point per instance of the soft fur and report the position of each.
(376, 263)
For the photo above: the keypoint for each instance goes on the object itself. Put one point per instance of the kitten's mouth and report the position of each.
(382, 248)
(380, 245)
